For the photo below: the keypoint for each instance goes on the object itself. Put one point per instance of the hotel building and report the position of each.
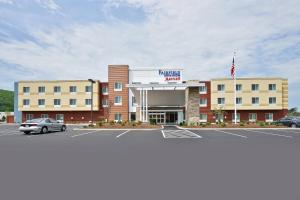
(152, 94)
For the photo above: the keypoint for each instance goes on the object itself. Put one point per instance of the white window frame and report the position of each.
(105, 90)
(239, 104)
(222, 87)
(203, 119)
(57, 105)
(255, 89)
(203, 91)
(73, 105)
(238, 117)
(25, 105)
(41, 105)
(221, 104)
(88, 91)
(269, 120)
(241, 88)
(272, 103)
(203, 104)
(88, 102)
(28, 117)
(41, 92)
(44, 116)
(251, 119)
(118, 117)
(26, 92)
(104, 103)
(254, 104)
(273, 89)
(57, 92)
(71, 88)
(118, 103)
(119, 84)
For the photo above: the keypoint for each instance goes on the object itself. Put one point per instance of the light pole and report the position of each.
(92, 82)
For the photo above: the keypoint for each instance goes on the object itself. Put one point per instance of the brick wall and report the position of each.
(118, 73)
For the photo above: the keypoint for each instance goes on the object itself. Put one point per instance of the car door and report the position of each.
(49, 124)
(55, 125)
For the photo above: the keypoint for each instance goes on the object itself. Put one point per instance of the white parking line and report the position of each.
(122, 134)
(198, 136)
(229, 133)
(163, 133)
(287, 136)
(81, 134)
(287, 131)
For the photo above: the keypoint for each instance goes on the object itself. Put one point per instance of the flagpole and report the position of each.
(234, 93)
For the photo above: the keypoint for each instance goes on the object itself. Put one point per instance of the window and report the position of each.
(203, 117)
(133, 101)
(118, 117)
(26, 90)
(72, 102)
(203, 102)
(272, 87)
(25, 102)
(59, 117)
(118, 100)
(221, 88)
(221, 101)
(272, 100)
(239, 101)
(269, 117)
(238, 87)
(42, 89)
(44, 115)
(29, 116)
(88, 88)
(56, 89)
(41, 102)
(118, 86)
(252, 117)
(219, 117)
(104, 102)
(104, 90)
(73, 89)
(88, 102)
(238, 119)
(202, 89)
(254, 87)
(255, 100)
(56, 102)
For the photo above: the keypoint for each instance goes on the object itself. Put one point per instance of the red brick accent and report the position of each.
(118, 73)
(206, 110)
(69, 116)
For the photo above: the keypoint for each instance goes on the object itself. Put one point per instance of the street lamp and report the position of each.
(92, 82)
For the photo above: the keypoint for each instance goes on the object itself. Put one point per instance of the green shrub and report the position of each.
(192, 124)
(139, 123)
(261, 124)
(203, 124)
(242, 123)
(152, 121)
(133, 124)
(111, 122)
(91, 125)
(222, 124)
(99, 123)
(123, 123)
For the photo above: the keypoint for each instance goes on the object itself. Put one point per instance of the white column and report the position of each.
(140, 105)
(146, 105)
(143, 112)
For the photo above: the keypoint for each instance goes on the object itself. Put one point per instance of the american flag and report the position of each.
(233, 69)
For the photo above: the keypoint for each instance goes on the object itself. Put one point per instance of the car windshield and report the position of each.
(35, 120)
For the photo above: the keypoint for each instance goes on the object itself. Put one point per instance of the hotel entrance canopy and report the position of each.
(160, 97)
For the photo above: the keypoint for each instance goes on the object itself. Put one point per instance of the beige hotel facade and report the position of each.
(152, 94)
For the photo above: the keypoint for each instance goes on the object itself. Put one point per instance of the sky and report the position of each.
(77, 39)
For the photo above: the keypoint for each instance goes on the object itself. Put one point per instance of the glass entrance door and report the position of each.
(158, 117)
(171, 117)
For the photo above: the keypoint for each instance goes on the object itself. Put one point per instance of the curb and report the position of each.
(235, 128)
(114, 129)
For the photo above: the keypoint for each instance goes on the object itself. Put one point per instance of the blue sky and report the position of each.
(77, 39)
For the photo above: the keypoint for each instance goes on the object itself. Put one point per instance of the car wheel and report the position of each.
(63, 128)
(44, 130)
(26, 132)
(293, 126)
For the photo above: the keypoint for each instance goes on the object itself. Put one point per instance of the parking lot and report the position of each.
(150, 164)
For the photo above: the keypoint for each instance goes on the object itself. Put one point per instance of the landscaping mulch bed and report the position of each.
(235, 126)
(126, 126)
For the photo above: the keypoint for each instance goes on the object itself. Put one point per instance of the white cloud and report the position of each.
(199, 36)
(48, 4)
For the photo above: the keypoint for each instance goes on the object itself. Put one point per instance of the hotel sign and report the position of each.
(170, 75)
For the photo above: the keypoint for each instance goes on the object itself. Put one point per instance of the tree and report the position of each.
(293, 111)
(217, 112)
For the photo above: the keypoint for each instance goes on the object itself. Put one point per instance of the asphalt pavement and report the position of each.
(154, 164)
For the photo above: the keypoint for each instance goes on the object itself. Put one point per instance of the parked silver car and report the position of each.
(42, 125)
